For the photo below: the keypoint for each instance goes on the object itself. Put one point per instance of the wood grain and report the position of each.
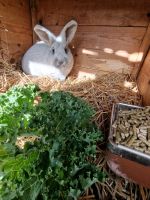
(116, 26)
(144, 80)
(108, 38)
(94, 63)
(99, 37)
(97, 48)
(15, 27)
(96, 12)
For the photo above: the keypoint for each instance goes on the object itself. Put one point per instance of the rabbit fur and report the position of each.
(51, 56)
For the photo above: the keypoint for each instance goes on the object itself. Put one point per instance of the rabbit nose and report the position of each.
(59, 62)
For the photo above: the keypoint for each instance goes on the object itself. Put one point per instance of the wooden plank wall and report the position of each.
(109, 35)
(15, 28)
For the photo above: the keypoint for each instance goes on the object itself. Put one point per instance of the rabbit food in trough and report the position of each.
(128, 153)
(132, 129)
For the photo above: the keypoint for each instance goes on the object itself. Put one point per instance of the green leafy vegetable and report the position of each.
(56, 165)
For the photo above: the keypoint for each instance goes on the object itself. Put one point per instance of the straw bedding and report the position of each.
(101, 93)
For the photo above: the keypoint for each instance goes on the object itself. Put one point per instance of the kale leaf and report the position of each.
(56, 165)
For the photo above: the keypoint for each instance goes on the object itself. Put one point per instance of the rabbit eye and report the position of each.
(66, 50)
(53, 50)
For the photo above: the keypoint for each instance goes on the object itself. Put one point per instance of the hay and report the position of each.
(9, 75)
(101, 94)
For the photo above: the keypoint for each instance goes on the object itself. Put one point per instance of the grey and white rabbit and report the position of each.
(51, 56)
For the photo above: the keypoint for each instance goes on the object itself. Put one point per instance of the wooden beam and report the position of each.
(144, 80)
(143, 50)
(33, 10)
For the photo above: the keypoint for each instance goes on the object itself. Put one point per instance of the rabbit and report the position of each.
(51, 56)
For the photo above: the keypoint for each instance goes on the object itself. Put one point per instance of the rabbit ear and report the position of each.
(44, 34)
(68, 32)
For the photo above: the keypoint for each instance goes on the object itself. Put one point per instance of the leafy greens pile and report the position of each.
(56, 165)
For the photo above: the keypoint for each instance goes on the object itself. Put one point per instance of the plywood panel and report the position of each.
(111, 30)
(95, 12)
(100, 49)
(96, 63)
(144, 80)
(15, 27)
(100, 37)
